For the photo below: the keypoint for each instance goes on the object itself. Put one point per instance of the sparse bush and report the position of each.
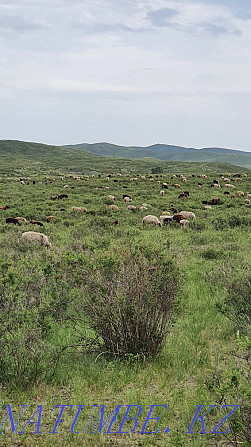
(198, 226)
(29, 306)
(237, 304)
(219, 224)
(128, 304)
(210, 253)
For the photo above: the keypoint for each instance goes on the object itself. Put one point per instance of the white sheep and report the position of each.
(151, 220)
(33, 236)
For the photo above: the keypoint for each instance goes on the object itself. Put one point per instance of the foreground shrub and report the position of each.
(236, 383)
(29, 308)
(237, 304)
(129, 304)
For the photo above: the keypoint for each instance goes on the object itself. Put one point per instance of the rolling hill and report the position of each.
(19, 158)
(167, 152)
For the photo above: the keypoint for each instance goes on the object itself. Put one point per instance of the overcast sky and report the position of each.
(132, 72)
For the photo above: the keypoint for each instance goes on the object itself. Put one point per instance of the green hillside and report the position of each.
(169, 153)
(26, 158)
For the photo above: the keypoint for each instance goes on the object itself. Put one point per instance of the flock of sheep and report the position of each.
(181, 217)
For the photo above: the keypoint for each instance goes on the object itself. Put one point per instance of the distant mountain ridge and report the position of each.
(168, 152)
(21, 158)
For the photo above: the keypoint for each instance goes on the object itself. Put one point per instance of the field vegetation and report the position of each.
(121, 314)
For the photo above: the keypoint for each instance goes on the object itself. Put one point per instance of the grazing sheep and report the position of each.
(36, 222)
(207, 207)
(63, 196)
(164, 186)
(143, 208)
(21, 219)
(131, 208)
(249, 196)
(188, 214)
(215, 201)
(80, 209)
(127, 199)
(240, 193)
(184, 223)
(151, 220)
(111, 197)
(178, 217)
(3, 208)
(165, 213)
(54, 197)
(174, 210)
(176, 186)
(166, 219)
(113, 207)
(228, 185)
(247, 201)
(33, 236)
(49, 218)
(162, 193)
(12, 220)
(116, 222)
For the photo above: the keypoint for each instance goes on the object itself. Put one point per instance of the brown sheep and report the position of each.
(178, 217)
(50, 218)
(12, 220)
(174, 210)
(36, 222)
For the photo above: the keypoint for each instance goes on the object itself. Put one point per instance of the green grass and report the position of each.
(200, 338)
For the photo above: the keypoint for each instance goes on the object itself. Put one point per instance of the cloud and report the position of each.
(159, 17)
(19, 24)
(217, 30)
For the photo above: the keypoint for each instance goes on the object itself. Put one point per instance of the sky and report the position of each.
(129, 72)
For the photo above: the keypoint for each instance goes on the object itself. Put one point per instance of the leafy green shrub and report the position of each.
(31, 301)
(129, 301)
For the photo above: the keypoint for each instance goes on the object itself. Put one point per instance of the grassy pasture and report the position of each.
(200, 338)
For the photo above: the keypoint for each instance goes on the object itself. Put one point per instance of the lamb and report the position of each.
(33, 236)
(184, 223)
